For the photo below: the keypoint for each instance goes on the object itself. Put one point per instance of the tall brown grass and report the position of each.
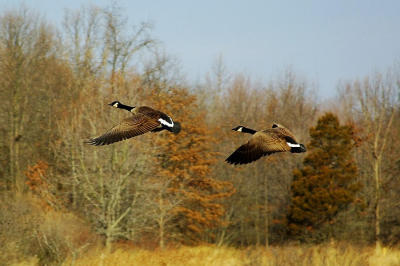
(329, 254)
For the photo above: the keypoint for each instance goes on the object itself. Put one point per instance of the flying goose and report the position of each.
(143, 120)
(262, 143)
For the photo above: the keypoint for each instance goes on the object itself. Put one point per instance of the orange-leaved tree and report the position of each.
(184, 161)
(37, 182)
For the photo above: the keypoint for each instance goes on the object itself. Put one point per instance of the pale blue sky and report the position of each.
(322, 41)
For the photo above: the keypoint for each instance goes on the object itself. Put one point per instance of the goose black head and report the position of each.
(238, 128)
(119, 105)
(115, 104)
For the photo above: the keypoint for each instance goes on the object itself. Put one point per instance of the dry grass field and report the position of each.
(327, 255)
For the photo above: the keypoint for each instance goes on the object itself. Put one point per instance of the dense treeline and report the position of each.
(59, 195)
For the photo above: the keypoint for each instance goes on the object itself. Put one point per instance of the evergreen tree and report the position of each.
(326, 184)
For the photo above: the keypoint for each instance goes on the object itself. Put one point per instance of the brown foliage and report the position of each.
(37, 182)
(185, 160)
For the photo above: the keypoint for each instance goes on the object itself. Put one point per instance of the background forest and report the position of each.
(60, 198)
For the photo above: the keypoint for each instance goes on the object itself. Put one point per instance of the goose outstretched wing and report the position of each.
(261, 144)
(127, 128)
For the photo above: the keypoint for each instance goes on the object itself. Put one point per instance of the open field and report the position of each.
(332, 254)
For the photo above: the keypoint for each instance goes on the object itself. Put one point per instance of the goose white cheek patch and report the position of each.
(293, 145)
(165, 123)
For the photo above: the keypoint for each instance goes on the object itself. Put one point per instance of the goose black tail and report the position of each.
(176, 128)
(300, 149)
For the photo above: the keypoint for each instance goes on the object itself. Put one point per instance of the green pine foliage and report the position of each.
(326, 184)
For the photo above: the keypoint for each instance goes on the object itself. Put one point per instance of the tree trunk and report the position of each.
(266, 206)
(161, 222)
(257, 204)
(109, 240)
(161, 242)
(377, 205)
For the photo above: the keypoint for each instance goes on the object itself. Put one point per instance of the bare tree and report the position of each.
(28, 66)
(107, 184)
(373, 102)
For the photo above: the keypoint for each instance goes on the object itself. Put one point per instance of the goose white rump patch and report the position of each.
(293, 145)
(165, 123)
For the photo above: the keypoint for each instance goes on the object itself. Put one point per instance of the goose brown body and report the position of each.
(144, 119)
(266, 142)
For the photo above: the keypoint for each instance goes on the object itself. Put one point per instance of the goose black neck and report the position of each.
(248, 130)
(126, 107)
